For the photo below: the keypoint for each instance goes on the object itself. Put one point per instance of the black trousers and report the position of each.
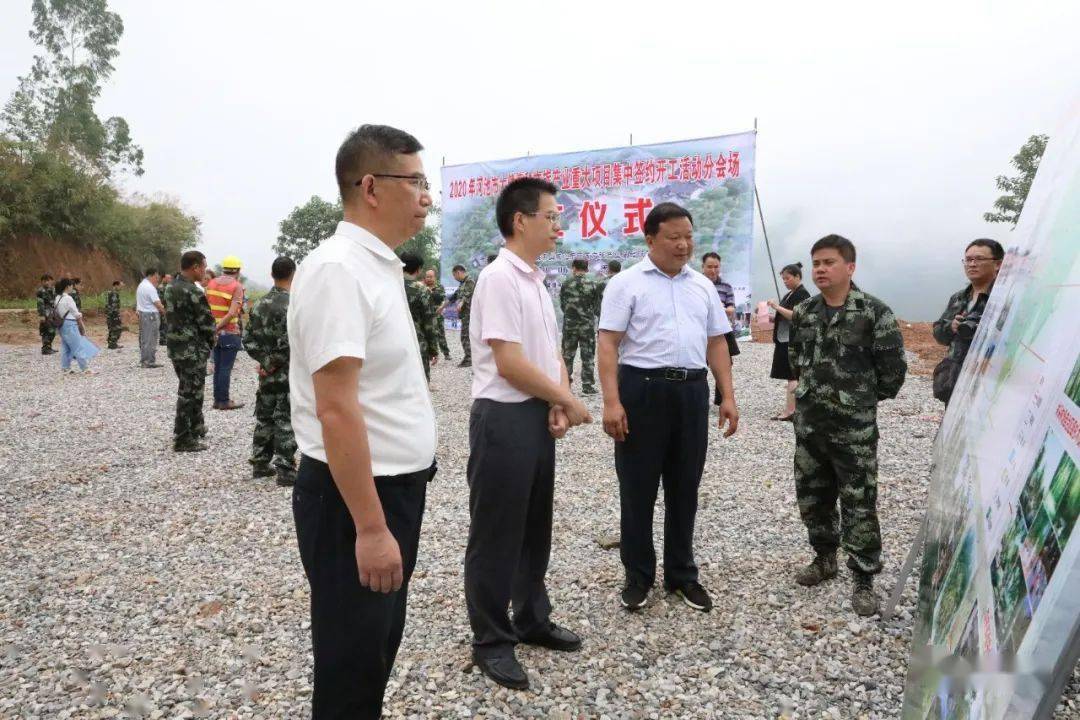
(511, 475)
(669, 434)
(355, 632)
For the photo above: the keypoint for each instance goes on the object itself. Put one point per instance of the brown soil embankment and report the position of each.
(26, 259)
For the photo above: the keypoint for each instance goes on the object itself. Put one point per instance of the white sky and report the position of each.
(885, 126)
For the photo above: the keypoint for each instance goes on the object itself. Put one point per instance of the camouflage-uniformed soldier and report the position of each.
(112, 315)
(847, 353)
(266, 339)
(579, 298)
(164, 329)
(46, 296)
(190, 337)
(463, 296)
(420, 308)
(438, 299)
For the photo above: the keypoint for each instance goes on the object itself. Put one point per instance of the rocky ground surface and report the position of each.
(140, 583)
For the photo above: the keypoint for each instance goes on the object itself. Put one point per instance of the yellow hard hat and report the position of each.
(231, 262)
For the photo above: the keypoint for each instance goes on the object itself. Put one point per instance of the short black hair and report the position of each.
(614, 266)
(994, 246)
(367, 150)
(839, 243)
(520, 196)
(491, 258)
(794, 269)
(662, 213)
(190, 259)
(580, 264)
(62, 284)
(115, 283)
(457, 268)
(282, 268)
(46, 276)
(412, 262)
(149, 271)
(75, 281)
(708, 255)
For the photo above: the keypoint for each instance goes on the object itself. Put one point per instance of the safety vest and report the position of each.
(219, 293)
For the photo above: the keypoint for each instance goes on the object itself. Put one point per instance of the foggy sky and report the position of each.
(885, 126)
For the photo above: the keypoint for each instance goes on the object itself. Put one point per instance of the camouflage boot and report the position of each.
(821, 569)
(286, 477)
(863, 599)
(261, 470)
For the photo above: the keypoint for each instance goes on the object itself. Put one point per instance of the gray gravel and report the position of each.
(139, 583)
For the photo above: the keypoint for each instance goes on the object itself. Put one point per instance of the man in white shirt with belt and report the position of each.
(150, 309)
(521, 405)
(364, 423)
(661, 323)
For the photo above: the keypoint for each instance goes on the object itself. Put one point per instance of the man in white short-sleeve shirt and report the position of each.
(661, 324)
(363, 421)
(521, 404)
(149, 307)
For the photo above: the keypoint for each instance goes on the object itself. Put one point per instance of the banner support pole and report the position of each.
(768, 249)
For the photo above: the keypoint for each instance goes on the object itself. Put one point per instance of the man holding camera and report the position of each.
(956, 326)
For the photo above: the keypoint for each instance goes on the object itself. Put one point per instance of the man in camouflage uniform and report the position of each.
(266, 340)
(579, 298)
(46, 296)
(165, 280)
(419, 299)
(463, 296)
(112, 315)
(847, 353)
(438, 301)
(614, 267)
(191, 335)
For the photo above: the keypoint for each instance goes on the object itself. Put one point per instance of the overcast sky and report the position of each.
(887, 127)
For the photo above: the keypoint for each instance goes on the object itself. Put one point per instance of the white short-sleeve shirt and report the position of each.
(145, 297)
(348, 300)
(511, 303)
(667, 320)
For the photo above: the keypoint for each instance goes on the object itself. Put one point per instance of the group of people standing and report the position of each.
(365, 424)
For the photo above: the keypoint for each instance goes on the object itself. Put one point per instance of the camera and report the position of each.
(966, 328)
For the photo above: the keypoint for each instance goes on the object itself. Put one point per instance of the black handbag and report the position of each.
(946, 374)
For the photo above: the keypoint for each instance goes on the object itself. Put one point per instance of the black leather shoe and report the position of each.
(504, 670)
(555, 638)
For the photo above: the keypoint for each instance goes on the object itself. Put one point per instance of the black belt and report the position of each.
(672, 374)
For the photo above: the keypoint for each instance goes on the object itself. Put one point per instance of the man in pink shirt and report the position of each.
(521, 405)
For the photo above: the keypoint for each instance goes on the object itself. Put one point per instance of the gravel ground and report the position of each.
(141, 583)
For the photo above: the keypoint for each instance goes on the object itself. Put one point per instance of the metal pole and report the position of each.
(631, 138)
(766, 234)
(905, 572)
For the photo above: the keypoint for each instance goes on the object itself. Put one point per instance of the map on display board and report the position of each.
(604, 196)
(998, 626)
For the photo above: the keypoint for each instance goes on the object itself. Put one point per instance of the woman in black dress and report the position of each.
(781, 369)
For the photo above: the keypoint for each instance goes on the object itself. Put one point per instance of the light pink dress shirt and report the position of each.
(511, 303)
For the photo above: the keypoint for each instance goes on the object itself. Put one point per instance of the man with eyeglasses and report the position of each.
(363, 421)
(521, 404)
(956, 326)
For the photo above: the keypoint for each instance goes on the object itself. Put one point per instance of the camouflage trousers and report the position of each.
(162, 330)
(465, 338)
(584, 338)
(440, 333)
(114, 324)
(273, 441)
(189, 426)
(836, 460)
(425, 360)
(47, 333)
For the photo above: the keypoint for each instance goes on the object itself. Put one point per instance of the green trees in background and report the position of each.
(58, 159)
(1008, 206)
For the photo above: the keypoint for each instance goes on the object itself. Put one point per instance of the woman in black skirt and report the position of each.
(781, 369)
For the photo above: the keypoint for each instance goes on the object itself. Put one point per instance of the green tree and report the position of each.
(53, 105)
(306, 226)
(426, 243)
(1007, 207)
